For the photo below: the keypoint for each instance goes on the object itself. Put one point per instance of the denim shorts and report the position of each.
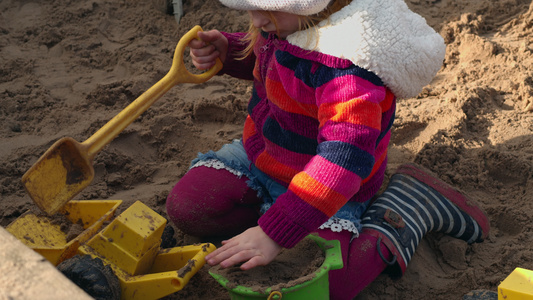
(233, 158)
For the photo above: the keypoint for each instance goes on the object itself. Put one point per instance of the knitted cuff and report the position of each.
(280, 228)
(233, 66)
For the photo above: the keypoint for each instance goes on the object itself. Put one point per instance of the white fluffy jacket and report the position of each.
(382, 36)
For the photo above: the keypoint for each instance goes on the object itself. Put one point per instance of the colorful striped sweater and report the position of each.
(318, 124)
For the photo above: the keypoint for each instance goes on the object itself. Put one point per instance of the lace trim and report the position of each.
(216, 164)
(337, 225)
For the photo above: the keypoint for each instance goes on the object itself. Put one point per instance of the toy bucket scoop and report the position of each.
(66, 168)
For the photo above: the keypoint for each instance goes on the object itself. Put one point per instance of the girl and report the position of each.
(326, 75)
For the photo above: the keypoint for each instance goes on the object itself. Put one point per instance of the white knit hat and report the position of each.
(299, 7)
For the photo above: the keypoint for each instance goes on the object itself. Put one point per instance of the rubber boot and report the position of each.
(415, 203)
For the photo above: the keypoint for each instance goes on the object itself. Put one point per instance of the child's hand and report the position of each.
(253, 246)
(213, 45)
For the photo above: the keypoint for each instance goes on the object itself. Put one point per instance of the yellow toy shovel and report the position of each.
(66, 168)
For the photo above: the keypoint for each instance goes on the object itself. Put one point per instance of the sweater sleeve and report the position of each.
(235, 65)
(351, 108)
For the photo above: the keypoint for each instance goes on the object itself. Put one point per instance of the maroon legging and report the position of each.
(214, 202)
(362, 263)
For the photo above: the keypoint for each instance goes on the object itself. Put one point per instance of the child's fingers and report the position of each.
(209, 36)
(225, 246)
(239, 256)
(204, 51)
(222, 254)
(196, 44)
(203, 64)
(203, 58)
(217, 39)
(252, 246)
(253, 262)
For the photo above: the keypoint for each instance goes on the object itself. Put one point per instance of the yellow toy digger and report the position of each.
(124, 260)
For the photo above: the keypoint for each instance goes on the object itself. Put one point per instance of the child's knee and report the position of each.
(177, 208)
(205, 195)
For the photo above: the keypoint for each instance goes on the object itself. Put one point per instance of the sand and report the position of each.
(67, 67)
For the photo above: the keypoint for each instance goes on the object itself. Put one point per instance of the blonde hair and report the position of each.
(305, 22)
